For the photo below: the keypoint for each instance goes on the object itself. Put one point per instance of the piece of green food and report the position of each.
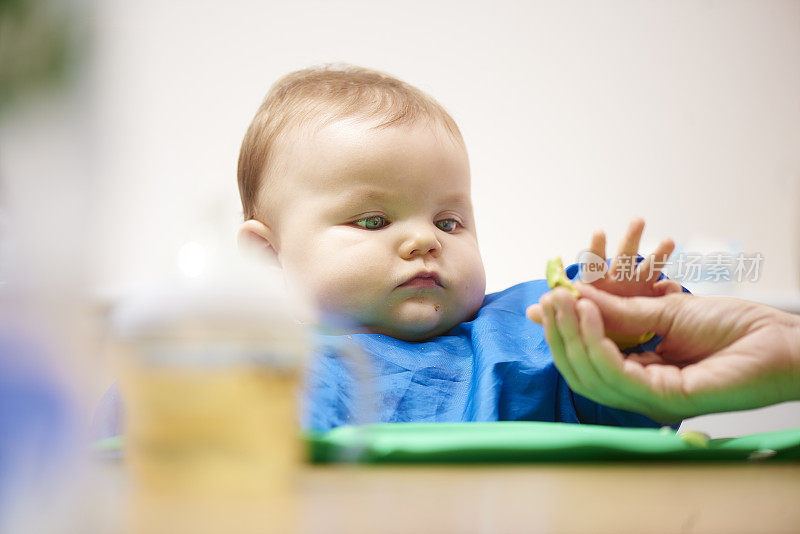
(694, 438)
(557, 276)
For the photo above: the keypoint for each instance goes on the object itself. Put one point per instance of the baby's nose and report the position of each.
(420, 242)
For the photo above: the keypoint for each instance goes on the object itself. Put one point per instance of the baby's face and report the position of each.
(363, 211)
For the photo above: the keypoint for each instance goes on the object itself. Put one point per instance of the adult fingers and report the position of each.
(633, 315)
(567, 321)
(605, 358)
(624, 383)
(535, 313)
(646, 358)
(629, 383)
(553, 337)
(593, 332)
(666, 286)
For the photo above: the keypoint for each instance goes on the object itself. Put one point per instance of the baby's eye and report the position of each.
(447, 225)
(373, 222)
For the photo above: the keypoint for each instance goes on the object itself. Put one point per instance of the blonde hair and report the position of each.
(324, 94)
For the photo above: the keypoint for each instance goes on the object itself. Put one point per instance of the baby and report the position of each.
(358, 186)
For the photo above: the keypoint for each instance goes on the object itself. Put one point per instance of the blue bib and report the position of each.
(496, 367)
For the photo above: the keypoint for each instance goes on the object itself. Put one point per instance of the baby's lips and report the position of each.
(430, 275)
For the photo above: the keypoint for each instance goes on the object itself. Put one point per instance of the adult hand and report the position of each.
(717, 354)
(625, 277)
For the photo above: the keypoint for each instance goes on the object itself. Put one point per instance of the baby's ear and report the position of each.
(255, 239)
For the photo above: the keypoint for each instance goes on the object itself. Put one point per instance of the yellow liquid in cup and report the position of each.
(206, 446)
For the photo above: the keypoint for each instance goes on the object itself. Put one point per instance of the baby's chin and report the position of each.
(416, 321)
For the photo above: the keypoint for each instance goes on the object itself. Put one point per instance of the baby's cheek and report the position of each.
(477, 289)
(344, 289)
(471, 277)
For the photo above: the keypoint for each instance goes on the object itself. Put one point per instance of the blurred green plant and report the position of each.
(38, 47)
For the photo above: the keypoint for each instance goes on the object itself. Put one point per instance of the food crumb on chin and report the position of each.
(436, 307)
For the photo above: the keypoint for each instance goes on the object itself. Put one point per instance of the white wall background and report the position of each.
(577, 116)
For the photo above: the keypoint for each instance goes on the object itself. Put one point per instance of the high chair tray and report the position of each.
(538, 442)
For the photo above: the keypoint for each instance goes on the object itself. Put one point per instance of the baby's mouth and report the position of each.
(423, 280)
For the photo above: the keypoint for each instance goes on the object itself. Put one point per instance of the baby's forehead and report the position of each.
(357, 152)
(356, 159)
(362, 131)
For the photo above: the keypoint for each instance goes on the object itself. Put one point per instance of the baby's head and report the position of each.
(355, 182)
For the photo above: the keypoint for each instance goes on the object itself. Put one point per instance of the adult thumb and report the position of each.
(633, 315)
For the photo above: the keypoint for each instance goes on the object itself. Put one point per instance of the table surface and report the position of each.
(632, 497)
(554, 498)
